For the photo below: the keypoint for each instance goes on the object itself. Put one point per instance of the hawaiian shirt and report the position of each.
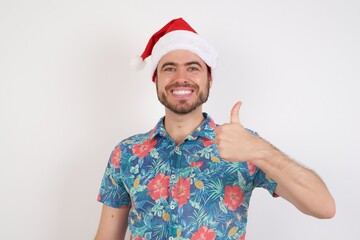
(181, 191)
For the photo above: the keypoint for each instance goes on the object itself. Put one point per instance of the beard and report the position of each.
(184, 106)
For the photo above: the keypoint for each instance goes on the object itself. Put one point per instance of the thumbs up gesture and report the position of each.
(235, 143)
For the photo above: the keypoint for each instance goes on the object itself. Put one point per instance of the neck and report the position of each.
(179, 126)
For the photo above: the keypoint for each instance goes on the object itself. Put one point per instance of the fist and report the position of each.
(234, 142)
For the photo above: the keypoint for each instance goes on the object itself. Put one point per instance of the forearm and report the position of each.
(297, 184)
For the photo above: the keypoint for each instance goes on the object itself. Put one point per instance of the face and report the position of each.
(183, 81)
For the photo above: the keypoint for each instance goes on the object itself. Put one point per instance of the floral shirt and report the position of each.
(181, 191)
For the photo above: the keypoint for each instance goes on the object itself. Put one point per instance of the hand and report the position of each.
(235, 143)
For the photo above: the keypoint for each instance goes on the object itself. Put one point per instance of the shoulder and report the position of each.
(135, 139)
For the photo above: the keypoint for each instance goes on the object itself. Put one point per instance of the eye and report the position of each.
(193, 68)
(169, 69)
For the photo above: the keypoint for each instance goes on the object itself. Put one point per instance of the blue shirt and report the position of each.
(181, 191)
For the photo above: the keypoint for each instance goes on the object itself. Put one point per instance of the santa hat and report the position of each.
(175, 35)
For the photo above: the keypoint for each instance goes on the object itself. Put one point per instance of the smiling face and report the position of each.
(183, 81)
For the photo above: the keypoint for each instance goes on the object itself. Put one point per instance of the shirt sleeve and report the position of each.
(260, 180)
(112, 190)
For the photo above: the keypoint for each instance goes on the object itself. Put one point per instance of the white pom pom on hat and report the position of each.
(176, 34)
(138, 63)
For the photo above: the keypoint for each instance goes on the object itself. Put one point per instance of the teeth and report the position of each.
(181, 92)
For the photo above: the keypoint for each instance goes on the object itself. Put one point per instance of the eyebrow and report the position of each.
(185, 64)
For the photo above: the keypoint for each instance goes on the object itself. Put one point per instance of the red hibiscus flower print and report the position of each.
(115, 158)
(159, 187)
(233, 197)
(212, 124)
(138, 238)
(204, 233)
(181, 191)
(251, 168)
(196, 164)
(143, 149)
(242, 237)
(207, 142)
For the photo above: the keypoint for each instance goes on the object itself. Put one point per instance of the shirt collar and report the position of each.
(206, 129)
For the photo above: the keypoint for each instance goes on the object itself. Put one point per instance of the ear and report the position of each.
(209, 74)
(154, 76)
(210, 80)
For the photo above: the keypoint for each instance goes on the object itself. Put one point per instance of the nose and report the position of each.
(181, 75)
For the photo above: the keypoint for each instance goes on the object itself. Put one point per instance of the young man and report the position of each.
(188, 178)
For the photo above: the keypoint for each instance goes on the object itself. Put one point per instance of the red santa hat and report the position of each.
(175, 35)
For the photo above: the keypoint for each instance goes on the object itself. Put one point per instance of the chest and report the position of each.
(195, 165)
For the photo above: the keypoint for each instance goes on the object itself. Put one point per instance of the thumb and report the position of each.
(234, 115)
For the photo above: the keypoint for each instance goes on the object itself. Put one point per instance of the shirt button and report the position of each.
(177, 150)
(172, 206)
(173, 176)
(171, 238)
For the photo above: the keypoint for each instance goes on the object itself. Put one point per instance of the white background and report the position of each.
(68, 96)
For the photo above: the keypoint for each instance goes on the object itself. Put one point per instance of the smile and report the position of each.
(181, 92)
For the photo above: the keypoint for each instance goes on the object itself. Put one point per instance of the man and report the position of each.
(188, 178)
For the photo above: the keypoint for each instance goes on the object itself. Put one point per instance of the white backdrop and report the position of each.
(68, 95)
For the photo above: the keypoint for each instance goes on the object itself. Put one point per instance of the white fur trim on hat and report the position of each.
(185, 40)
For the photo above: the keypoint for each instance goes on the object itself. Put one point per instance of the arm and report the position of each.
(113, 223)
(297, 184)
